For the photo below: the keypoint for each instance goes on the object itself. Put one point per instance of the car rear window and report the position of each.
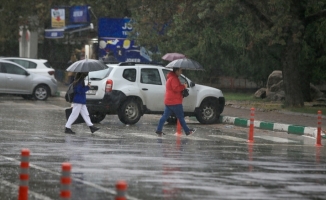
(99, 75)
(47, 64)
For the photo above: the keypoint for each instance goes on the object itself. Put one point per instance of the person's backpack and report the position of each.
(70, 93)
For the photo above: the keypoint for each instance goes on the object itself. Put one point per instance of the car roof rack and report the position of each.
(126, 64)
(134, 63)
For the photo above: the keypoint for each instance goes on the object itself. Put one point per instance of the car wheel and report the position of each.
(27, 97)
(129, 112)
(41, 92)
(208, 112)
(97, 118)
(121, 118)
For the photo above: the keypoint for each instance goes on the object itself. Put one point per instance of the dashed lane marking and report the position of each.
(30, 193)
(191, 137)
(113, 192)
(236, 139)
(145, 135)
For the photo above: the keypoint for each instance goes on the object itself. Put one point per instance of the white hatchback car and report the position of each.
(38, 66)
(16, 80)
(131, 90)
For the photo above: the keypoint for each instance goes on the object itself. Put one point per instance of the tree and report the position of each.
(249, 37)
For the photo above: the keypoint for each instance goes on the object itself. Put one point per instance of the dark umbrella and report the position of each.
(185, 63)
(173, 56)
(86, 65)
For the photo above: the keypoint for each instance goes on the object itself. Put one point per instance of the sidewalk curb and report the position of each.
(291, 129)
(60, 94)
(237, 121)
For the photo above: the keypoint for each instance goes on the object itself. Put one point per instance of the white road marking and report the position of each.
(113, 192)
(165, 136)
(145, 135)
(30, 193)
(276, 139)
(229, 138)
(193, 137)
(310, 137)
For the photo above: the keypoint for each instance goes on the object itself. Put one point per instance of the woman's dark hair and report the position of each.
(80, 77)
(175, 69)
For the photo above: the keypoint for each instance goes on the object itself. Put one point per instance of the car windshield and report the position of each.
(99, 75)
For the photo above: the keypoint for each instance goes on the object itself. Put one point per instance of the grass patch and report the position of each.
(308, 110)
(248, 100)
(234, 96)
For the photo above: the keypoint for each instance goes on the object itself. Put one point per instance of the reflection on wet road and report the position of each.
(215, 163)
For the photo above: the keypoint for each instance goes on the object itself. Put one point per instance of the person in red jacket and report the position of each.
(173, 102)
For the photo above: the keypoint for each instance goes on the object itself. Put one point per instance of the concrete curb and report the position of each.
(291, 129)
(60, 94)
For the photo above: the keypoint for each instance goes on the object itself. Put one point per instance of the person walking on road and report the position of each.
(79, 104)
(173, 102)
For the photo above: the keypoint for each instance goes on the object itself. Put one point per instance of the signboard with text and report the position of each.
(112, 38)
(79, 14)
(114, 27)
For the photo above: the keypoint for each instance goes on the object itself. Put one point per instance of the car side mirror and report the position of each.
(192, 84)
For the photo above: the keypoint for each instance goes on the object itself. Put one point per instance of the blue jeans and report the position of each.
(178, 111)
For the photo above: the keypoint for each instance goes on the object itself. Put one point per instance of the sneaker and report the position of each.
(69, 131)
(191, 131)
(160, 133)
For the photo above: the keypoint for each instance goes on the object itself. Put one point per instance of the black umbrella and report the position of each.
(87, 65)
(185, 63)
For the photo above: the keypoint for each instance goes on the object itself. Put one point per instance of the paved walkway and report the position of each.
(290, 122)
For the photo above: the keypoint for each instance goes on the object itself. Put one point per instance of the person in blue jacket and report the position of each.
(79, 103)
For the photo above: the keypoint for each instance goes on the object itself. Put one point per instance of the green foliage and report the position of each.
(239, 38)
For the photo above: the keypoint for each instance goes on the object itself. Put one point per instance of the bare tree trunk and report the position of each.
(291, 74)
(305, 79)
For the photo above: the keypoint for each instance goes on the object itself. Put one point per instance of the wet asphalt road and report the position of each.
(215, 163)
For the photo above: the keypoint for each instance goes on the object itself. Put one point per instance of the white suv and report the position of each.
(132, 90)
(38, 66)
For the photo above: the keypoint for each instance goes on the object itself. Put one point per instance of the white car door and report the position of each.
(189, 102)
(152, 88)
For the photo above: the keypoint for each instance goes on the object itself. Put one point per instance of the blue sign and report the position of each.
(114, 27)
(54, 33)
(79, 14)
(121, 50)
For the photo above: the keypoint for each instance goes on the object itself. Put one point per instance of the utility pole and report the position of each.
(24, 50)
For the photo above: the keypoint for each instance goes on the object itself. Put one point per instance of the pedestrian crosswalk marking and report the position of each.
(276, 139)
(236, 139)
(226, 137)
(144, 135)
(194, 137)
(191, 137)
